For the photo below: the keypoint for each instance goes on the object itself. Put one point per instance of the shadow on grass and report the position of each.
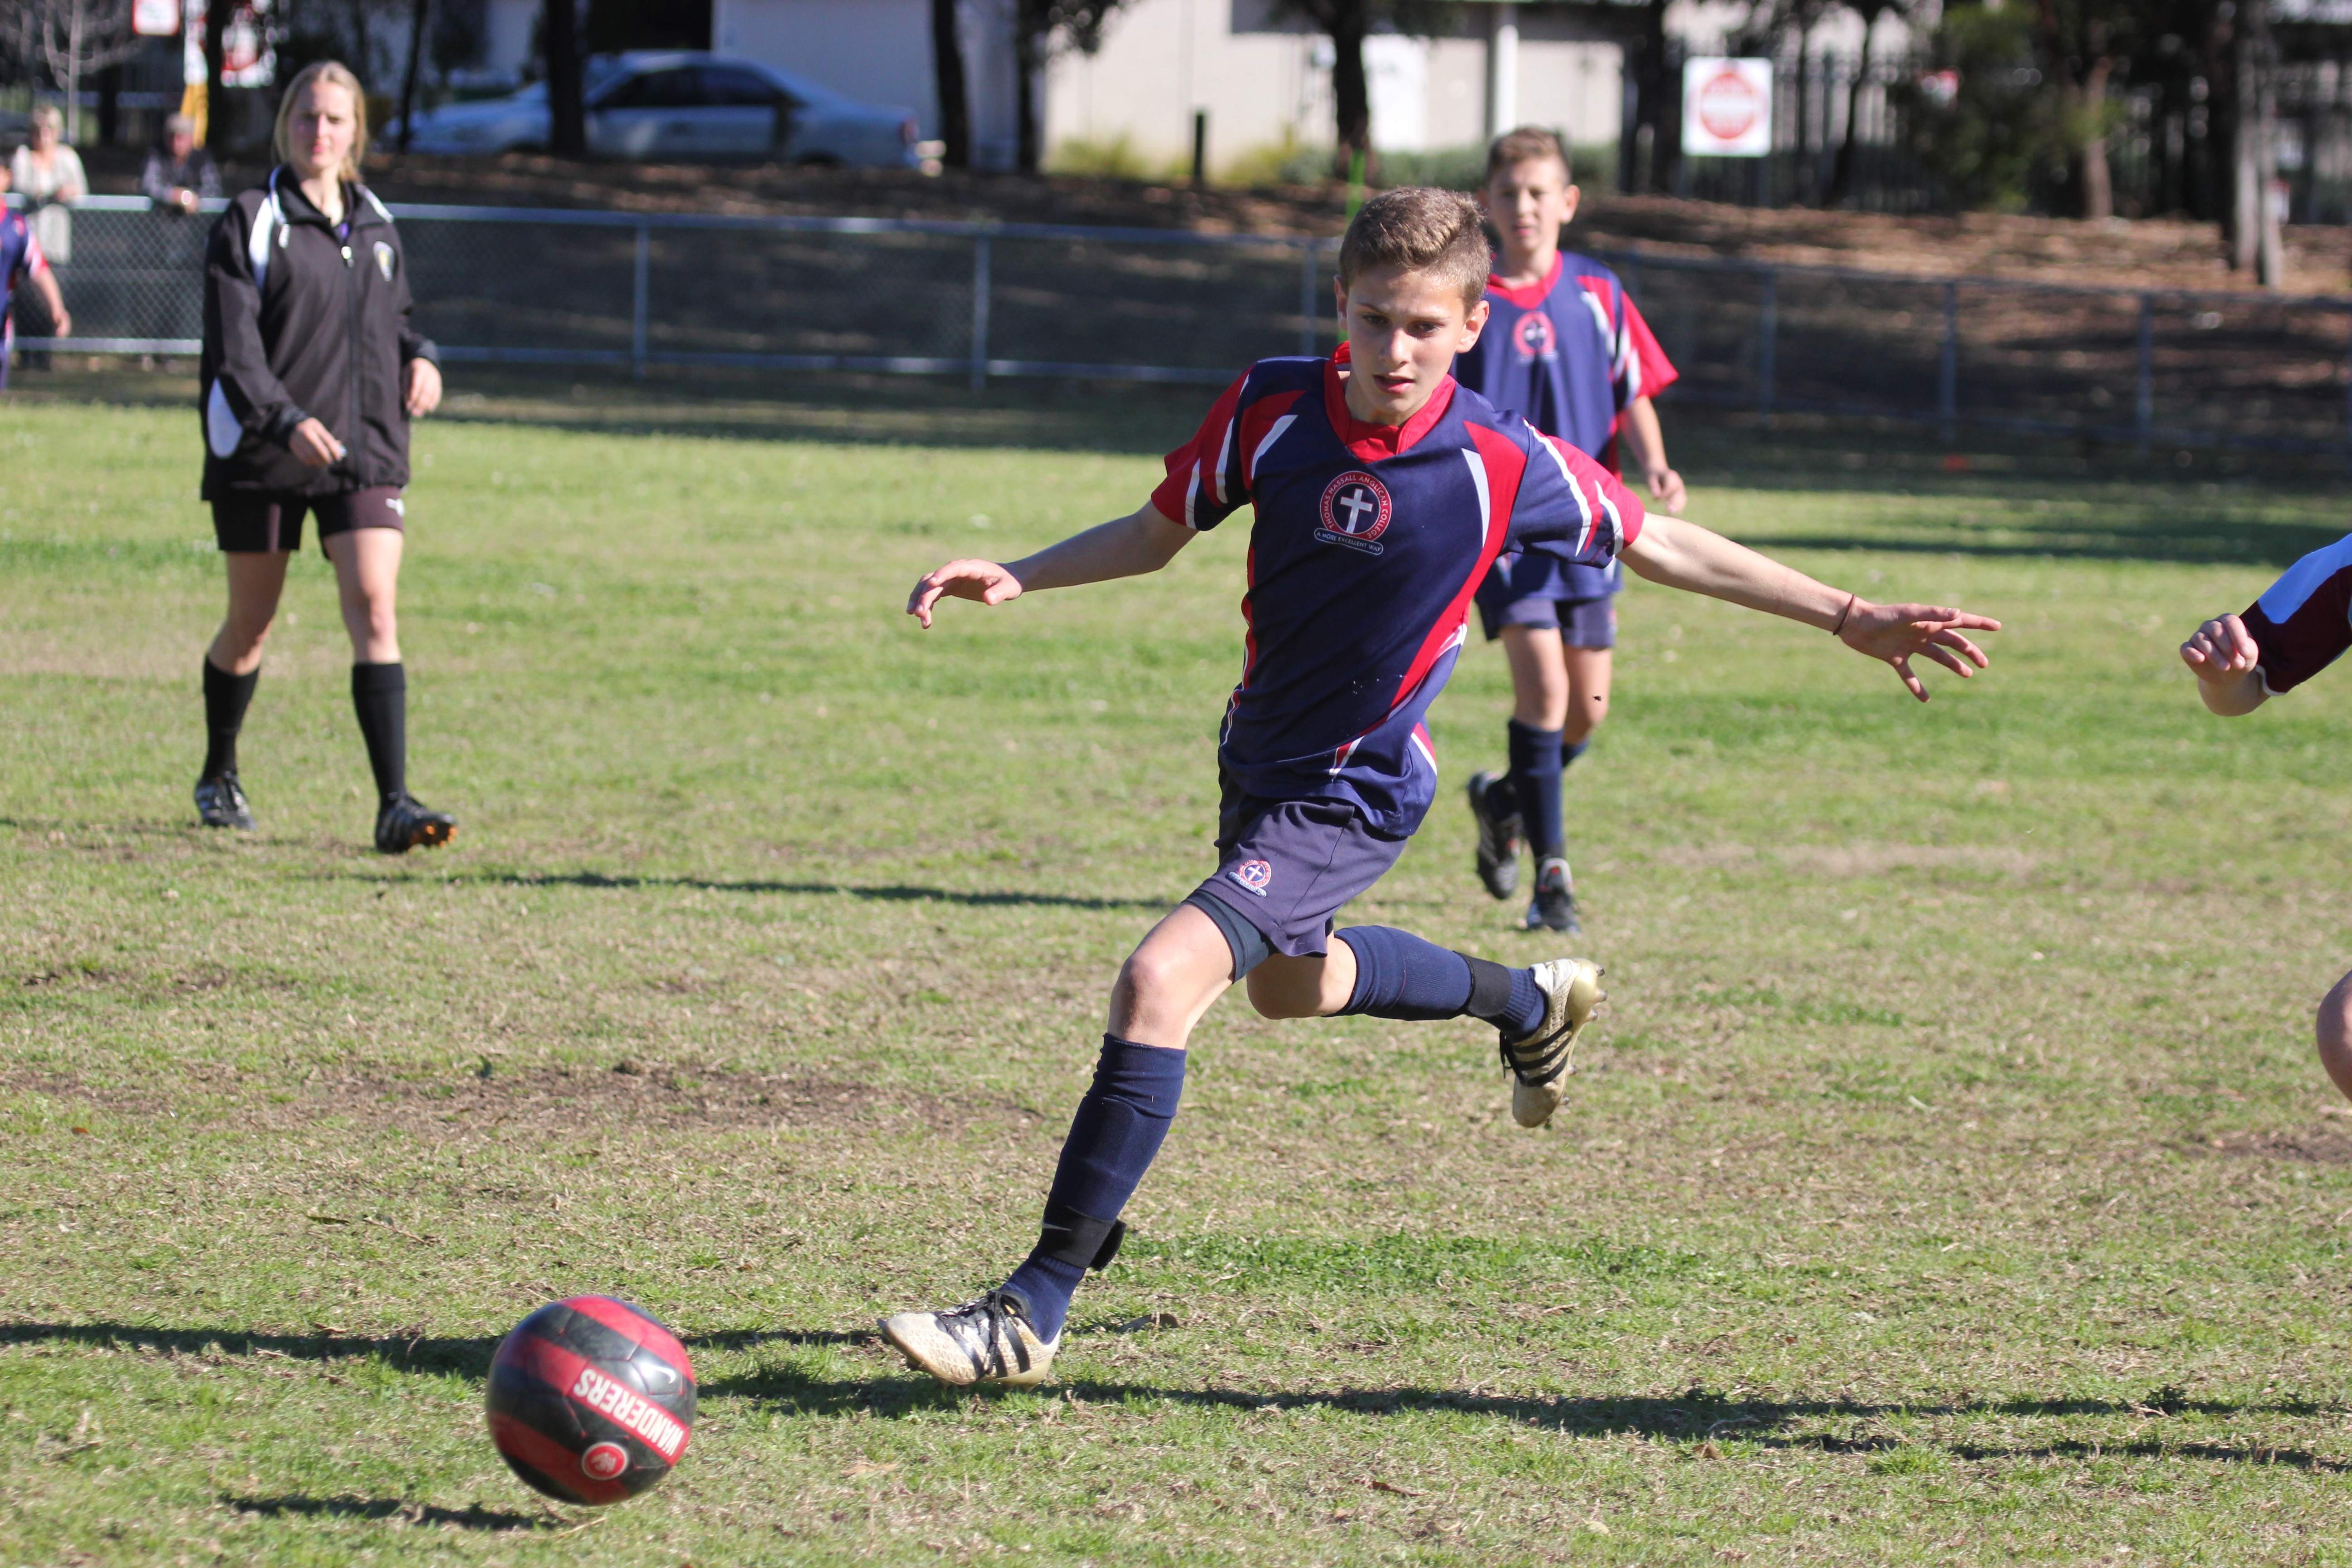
(1692, 1417)
(890, 893)
(346, 1507)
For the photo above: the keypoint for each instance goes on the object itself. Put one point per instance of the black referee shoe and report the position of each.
(406, 822)
(220, 803)
(1498, 837)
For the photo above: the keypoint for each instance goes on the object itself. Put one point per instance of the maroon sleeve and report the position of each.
(2303, 620)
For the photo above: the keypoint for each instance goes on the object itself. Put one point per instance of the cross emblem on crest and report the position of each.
(1356, 511)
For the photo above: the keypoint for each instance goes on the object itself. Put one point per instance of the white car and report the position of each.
(685, 108)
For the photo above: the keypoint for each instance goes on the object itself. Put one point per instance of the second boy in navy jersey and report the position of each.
(1565, 349)
(1383, 493)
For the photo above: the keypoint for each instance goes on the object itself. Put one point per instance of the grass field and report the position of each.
(1950, 1180)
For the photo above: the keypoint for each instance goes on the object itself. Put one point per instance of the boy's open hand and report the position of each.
(982, 580)
(1897, 634)
(2222, 650)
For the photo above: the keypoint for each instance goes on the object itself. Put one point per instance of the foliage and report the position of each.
(1116, 157)
(2002, 126)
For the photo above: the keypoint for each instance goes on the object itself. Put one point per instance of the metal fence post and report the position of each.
(1306, 300)
(980, 312)
(1768, 335)
(639, 297)
(2143, 376)
(1947, 369)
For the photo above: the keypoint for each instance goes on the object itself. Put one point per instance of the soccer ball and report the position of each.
(591, 1400)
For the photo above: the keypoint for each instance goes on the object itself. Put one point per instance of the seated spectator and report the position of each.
(180, 173)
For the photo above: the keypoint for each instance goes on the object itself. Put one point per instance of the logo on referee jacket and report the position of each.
(383, 259)
(1356, 511)
(1534, 335)
(1254, 876)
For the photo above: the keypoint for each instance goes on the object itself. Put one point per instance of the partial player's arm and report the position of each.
(2225, 657)
(1126, 547)
(2301, 625)
(1646, 447)
(1680, 554)
(60, 319)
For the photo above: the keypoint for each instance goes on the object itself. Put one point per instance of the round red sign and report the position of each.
(1727, 106)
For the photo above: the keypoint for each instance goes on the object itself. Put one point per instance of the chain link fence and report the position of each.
(538, 285)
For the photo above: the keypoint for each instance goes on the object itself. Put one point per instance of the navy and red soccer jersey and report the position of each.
(2303, 620)
(1568, 354)
(1368, 543)
(20, 258)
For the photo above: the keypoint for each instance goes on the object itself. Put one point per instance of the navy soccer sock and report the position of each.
(1535, 764)
(1400, 975)
(1113, 1138)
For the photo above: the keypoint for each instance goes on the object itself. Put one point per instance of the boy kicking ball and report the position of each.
(2297, 628)
(1383, 492)
(1565, 348)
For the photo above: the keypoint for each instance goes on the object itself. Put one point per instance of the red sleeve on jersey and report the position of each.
(1204, 483)
(1643, 369)
(2303, 620)
(34, 262)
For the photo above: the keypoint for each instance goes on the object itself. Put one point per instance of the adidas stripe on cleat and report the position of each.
(987, 1341)
(1498, 838)
(1540, 1061)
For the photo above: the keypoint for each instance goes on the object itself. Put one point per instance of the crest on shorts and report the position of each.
(1356, 511)
(1254, 876)
(383, 259)
(1534, 335)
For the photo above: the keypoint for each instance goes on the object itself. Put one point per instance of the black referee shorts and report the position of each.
(253, 522)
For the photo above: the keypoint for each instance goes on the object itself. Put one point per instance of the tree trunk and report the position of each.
(947, 66)
(1652, 109)
(2270, 265)
(415, 64)
(216, 15)
(73, 69)
(2097, 180)
(1352, 93)
(567, 121)
(1027, 153)
(2247, 196)
(1841, 171)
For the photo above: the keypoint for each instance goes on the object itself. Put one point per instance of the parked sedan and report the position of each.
(687, 108)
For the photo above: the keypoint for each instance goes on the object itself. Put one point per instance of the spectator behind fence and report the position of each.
(179, 174)
(21, 261)
(48, 174)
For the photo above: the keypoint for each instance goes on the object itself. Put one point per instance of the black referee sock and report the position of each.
(227, 697)
(380, 696)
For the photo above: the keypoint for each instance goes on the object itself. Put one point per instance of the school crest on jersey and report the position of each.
(1533, 337)
(1356, 511)
(383, 259)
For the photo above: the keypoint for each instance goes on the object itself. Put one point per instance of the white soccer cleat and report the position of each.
(1540, 1062)
(987, 1341)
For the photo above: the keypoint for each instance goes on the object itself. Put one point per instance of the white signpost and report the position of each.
(1727, 107)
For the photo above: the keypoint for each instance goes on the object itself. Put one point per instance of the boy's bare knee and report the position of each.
(1278, 996)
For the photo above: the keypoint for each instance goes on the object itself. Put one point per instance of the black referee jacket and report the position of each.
(300, 323)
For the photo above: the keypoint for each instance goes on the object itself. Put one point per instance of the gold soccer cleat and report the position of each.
(987, 1341)
(1540, 1062)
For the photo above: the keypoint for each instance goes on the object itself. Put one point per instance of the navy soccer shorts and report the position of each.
(1287, 867)
(1583, 623)
(255, 520)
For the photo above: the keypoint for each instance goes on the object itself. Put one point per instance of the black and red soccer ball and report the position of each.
(591, 1400)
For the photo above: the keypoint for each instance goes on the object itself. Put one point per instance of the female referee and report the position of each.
(310, 374)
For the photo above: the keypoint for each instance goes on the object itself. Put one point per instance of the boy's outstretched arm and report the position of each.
(2222, 655)
(1681, 555)
(1126, 547)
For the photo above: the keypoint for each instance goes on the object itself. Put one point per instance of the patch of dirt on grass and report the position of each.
(1852, 859)
(2320, 1146)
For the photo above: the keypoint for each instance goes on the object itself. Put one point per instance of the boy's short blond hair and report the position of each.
(1421, 230)
(1524, 145)
(341, 75)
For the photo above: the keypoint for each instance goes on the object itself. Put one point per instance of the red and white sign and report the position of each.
(248, 58)
(1727, 107)
(155, 18)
